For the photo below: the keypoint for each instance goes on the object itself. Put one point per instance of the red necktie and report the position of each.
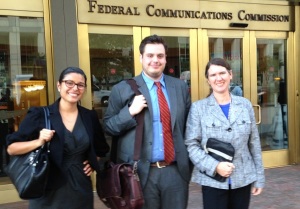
(165, 118)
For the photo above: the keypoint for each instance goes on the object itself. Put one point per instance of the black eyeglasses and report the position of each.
(71, 84)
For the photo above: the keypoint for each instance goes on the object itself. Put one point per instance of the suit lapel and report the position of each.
(145, 92)
(236, 110)
(85, 116)
(216, 110)
(148, 130)
(56, 123)
(172, 98)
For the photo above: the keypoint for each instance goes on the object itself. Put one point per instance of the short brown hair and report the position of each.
(217, 61)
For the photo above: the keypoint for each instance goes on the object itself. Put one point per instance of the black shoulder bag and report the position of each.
(29, 172)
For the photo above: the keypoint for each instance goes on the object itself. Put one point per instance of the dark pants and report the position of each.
(226, 199)
(165, 189)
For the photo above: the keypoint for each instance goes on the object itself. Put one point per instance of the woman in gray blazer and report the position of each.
(230, 119)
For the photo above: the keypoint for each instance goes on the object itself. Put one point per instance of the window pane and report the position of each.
(230, 49)
(23, 73)
(111, 58)
(178, 58)
(272, 93)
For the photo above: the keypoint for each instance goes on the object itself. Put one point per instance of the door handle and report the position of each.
(259, 114)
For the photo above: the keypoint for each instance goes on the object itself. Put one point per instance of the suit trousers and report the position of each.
(165, 189)
(214, 198)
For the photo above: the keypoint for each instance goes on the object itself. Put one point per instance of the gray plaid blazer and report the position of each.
(206, 120)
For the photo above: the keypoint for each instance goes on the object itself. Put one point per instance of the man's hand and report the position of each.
(138, 104)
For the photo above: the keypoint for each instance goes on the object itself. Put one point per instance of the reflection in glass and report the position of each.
(178, 58)
(271, 85)
(23, 74)
(229, 49)
(111, 58)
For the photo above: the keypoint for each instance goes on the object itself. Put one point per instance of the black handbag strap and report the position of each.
(47, 122)
(140, 123)
(47, 119)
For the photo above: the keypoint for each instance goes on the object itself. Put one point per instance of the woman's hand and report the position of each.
(20, 148)
(45, 136)
(87, 168)
(225, 169)
(256, 191)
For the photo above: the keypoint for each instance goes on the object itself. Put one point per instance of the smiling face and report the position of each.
(218, 78)
(154, 60)
(71, 94)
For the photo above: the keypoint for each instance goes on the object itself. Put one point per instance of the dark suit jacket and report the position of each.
(119, 123)
(35, 121)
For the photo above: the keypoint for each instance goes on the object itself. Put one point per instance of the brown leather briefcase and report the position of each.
(118, 187)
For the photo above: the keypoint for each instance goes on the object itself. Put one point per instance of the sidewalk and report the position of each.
(282, 191)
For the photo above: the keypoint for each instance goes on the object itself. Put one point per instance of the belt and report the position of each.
(161, 164)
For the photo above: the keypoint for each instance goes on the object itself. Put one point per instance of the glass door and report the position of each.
(231, 49)
(178, 54)
(233, 46)
(111, 58)
(259, 66)
(113, 55)
(271, 76)
(181, 54)
(272, 92)
(23, 75)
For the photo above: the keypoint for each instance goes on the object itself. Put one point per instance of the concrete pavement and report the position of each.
(282, 191)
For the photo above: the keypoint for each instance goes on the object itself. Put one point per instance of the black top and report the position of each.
(76, 192)
(34, 122)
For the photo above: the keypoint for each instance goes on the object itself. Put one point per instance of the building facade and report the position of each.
(260, 40)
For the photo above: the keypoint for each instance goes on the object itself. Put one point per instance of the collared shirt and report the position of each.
(157, 144)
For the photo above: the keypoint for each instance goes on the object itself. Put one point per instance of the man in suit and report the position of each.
(165, 184)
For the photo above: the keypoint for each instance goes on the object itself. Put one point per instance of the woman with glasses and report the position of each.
(76, 143)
